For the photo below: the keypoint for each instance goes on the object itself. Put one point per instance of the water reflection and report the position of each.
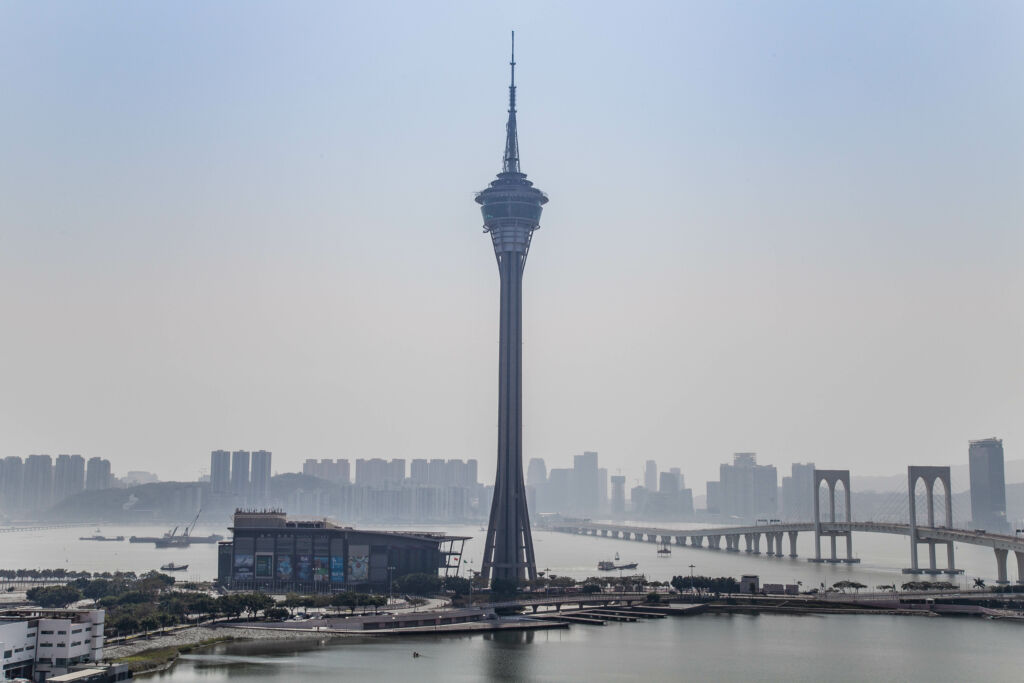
(506, 656)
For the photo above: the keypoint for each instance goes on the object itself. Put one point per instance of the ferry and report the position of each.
(100, 537)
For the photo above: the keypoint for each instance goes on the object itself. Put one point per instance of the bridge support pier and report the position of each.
(792, 543)
(696, 541)
(749, 538)
(714, 542)
(757, 544)
(1001, 566)
(732, 543)
(769, 544)
(680, 540)
(1020, 565)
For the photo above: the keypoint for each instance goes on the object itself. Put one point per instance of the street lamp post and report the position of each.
(692, 588)
(391, 569)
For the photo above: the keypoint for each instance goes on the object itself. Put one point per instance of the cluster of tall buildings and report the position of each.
(664, 495)
(434, 490)
(580, 490)
(38, 482)
(586, 490)
(241, 475)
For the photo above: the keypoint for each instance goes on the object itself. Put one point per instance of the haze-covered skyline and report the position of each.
(793, 229)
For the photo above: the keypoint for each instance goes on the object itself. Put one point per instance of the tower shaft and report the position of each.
(508, 551)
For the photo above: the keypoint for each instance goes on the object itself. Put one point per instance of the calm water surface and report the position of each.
(705, 648)
(882, 556)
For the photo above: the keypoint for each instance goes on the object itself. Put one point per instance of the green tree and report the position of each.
(148, 623)
(53, 596)
(457, 584)
(278, 613)
(420, 584)
(505, 588)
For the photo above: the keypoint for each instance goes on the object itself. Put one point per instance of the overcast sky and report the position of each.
(793, 228)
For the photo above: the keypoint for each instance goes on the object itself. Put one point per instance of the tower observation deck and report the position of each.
(511, 208)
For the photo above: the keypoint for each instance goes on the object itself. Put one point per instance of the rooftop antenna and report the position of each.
(511, 161)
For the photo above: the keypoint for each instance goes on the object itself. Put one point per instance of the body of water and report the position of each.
(883, 556)
(703, 648)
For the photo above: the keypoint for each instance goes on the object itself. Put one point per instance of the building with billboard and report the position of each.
(272, 552)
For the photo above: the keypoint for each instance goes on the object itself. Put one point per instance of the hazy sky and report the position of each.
(790, 227)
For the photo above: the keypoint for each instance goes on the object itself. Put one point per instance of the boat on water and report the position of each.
(100, 537)
(171, 567)
(212, 538)
(172, 539)
(664, 550)
(608, 565)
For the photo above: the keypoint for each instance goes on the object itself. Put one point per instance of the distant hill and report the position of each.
(959, 474)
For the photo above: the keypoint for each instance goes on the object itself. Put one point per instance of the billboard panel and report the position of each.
(284, 568)
(264, 565)
(304, 568)
(337, 569)
(358, 563)
(243, 566)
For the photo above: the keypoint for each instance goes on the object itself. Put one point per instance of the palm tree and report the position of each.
(979, 583)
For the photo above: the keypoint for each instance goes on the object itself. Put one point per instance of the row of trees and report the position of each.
(58, 574)
(706, 584)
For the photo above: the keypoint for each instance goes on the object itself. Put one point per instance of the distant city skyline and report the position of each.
(786, 228)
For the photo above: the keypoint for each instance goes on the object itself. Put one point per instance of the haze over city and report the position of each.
(791, 229)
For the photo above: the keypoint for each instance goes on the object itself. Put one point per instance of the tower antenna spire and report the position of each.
(510, 163)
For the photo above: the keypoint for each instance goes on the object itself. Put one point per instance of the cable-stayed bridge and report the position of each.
(920, 531)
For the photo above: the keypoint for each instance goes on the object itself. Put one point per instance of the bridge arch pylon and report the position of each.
(929, 475)
(832, 478)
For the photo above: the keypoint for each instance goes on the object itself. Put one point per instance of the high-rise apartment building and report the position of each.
(68, 476)
(337, 471)
(261, 472)
(240, 474)
(798, 493)
(651, 475)
(748, 490)
(419, 471)
(38, 482)
(536, 472)
(668, 482)
(586, 484)
(220, 472)
(97, 474)
(11, 483)
(988, 485)
(618, 502)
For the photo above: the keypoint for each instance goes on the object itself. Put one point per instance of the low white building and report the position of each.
(40, 643)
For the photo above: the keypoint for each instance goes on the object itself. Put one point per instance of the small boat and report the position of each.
(628, 565)
(100, 537)
(616, 557)
(664, 550)
(171, 567)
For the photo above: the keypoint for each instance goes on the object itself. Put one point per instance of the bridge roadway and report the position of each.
(773, 534)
